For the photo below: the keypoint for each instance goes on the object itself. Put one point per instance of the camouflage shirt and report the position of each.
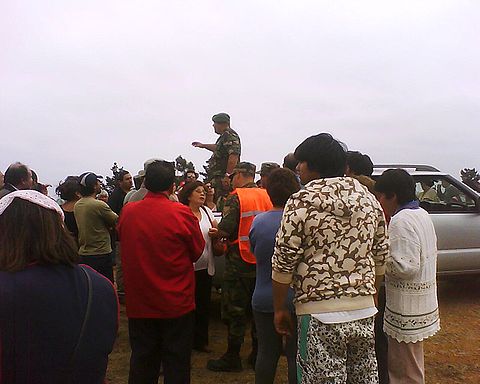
(234, 264)
(227, 144)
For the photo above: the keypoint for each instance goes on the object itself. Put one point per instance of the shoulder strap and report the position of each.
(85, 317)
(208, 215)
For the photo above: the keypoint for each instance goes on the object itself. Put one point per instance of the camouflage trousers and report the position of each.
(237, 291)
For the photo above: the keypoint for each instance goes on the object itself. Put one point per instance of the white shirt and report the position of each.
(206, 261)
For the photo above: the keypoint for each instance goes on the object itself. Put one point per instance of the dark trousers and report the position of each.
(381, 342)
(270, 348)
(203, 293)
(100, 263)
(160, 342)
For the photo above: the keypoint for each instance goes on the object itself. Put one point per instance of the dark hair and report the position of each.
(398, 182)
(120, 175)
(33, 234)
(282, 183)
(15, 174)
(428, 182)
(189, 171)
(323, 154)
(187, 191)
(159, 176)
(137, 181)
(290, 162)
(87, 190)
(359, 164)
(34, 176)
(69, 188)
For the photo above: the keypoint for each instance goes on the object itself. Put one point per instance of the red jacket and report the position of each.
(159, 241)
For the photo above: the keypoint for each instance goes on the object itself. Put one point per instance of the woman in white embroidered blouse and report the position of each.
(411, 313)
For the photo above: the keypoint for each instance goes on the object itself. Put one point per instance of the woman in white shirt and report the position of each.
(193, 194)
(411, 313)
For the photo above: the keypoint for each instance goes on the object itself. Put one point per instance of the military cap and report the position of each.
(244, 167)
(221, 118)
(267, 168)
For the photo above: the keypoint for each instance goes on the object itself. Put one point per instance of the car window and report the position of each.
(440, 194)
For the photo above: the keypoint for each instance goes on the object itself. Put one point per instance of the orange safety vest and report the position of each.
(252, 202)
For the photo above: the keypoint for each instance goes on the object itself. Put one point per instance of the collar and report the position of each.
(250, 184)
(158, 195)
(414, 204)
(10, 187)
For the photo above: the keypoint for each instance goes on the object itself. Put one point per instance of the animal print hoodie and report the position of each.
(331, 243)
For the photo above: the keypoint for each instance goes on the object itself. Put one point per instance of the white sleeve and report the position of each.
(405, 251)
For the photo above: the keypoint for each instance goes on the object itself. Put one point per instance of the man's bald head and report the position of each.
(19, 175)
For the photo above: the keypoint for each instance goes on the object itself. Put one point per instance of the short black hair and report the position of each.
(15, 174)
(69, 188)
(189, 171)
(120, 175)
(290, 162)
(187, 191)
(90, 183)
(323, 154)
(87, 190)
(282, 183)
(159, 176)
(398, 182)
(359, 163)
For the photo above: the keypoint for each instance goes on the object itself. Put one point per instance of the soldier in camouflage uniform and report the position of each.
(239, 276)
(225, 156)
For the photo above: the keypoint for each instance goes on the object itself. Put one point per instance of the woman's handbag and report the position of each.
(219, 246)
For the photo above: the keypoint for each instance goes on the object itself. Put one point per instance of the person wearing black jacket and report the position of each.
(124, 183)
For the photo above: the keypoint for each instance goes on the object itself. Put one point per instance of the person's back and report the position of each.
(156, 235)
(336, 213)
(262, 238)
(41, 314)
(58, 320)
(94, 217)
(332, 246)
(160, 240)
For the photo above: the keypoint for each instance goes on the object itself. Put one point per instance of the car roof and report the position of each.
(413, 169)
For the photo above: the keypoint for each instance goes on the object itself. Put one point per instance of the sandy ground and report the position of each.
(452, 356)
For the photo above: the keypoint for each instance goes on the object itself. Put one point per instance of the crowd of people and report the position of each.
(332, 269)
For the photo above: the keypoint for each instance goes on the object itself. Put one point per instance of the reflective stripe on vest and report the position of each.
(253, 201)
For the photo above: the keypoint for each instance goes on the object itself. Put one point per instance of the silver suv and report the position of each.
(455, 211)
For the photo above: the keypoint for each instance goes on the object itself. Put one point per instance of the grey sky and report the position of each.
(87, 83)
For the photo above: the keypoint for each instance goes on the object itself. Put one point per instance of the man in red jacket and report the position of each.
(160, 240)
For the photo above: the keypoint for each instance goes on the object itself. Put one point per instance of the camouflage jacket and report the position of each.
(227, 144)
(331, 243)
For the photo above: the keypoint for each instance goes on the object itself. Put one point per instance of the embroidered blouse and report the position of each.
(411, 313)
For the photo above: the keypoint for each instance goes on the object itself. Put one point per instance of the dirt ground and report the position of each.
(452, 356)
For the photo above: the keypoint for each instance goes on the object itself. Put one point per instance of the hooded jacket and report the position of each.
(331, 243)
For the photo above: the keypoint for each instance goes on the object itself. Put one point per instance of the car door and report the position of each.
(455, 212)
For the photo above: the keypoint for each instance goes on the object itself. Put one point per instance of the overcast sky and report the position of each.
(87, 83)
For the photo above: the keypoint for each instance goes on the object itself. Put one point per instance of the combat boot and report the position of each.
(229, 362)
